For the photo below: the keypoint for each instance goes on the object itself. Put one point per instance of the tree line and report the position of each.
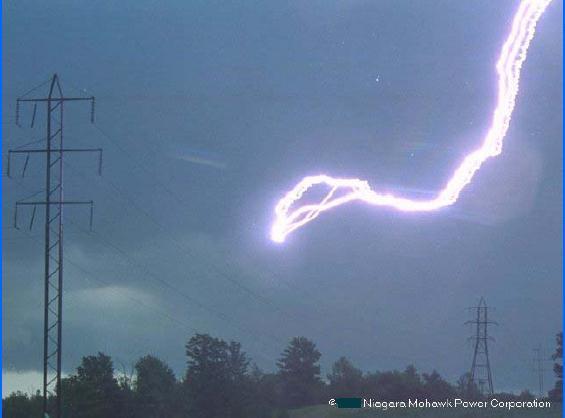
(221, 382)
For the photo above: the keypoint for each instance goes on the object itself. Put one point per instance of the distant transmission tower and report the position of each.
(481, 373)
(539, 360)
(53, 203)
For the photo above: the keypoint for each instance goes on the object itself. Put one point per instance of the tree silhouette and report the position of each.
(154, 387)
(299, 372)
(436, 388)
(93, 392)
(467, 388)
(345, 379)
(20, 405)
(216, 379)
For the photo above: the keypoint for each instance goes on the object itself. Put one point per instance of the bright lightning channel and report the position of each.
(289, 215)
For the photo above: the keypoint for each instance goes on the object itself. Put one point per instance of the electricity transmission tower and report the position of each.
(539, 361)
(53, 204)
(481, 374)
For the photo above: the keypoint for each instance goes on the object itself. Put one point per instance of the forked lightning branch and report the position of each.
(290, 214)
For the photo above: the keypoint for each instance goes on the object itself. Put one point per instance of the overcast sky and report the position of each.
(212, 109)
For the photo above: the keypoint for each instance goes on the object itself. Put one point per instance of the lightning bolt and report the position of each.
(290, 215)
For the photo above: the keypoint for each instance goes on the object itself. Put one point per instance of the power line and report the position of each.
(181, 248)
(90, 277)
(174, 289)
(155, 277)
(179, 245)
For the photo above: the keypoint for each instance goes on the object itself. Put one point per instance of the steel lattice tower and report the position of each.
(53, 203)
(481, 373)
(539, 362)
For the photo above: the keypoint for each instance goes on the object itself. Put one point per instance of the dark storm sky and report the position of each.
(213, 109)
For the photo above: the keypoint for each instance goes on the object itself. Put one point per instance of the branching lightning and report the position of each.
(290, 215)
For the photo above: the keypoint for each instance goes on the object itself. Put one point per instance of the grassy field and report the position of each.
(324, 411)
